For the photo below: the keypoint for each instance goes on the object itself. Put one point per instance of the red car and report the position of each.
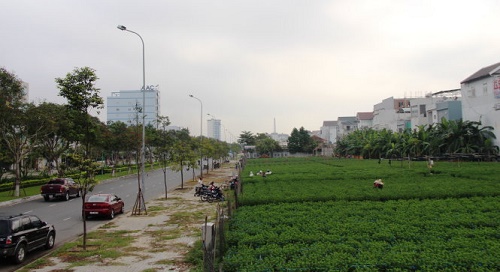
(106, 205)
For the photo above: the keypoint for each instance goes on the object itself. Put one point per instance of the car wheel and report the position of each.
(78, 193)
(121, 209)
(112, 214)
(66, 196)
(50, 241)
(47, 198)
(20, 254)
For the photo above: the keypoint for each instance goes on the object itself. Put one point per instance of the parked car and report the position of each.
(60, 188)
(20, 234)
(107, 205)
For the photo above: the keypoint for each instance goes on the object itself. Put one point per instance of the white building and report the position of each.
(213, 129)
(392, 114)
(346, 125)
(481, 98)
(281, 138)
(126, 106)
(328, 131)
(365, 119)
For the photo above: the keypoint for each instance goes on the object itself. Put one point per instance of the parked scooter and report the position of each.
(212, 195)
(201, 190)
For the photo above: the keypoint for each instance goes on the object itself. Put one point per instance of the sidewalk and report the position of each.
(179, 218)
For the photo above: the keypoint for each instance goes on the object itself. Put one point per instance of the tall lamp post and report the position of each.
(140, 205)
(201, 134)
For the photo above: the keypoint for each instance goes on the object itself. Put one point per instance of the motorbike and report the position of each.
(201, 190)
(212, 195)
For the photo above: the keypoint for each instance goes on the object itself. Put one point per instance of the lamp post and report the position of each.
(201, 134)
(140, 204)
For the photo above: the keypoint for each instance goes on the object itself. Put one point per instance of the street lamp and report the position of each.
(139, 204)
(201, 134)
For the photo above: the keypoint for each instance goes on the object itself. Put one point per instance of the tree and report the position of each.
(266, 145)
(78, 88)
(56, 127)
(247, 138)
(182, 152)
(300, 141)
(17, 136)
(163, 141)
(11, 99)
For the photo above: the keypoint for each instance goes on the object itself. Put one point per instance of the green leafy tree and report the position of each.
(17, 136)
(79, 89)
(247, 138)
(266, 145)
(300, 141)
(182, 153)
(55, 126)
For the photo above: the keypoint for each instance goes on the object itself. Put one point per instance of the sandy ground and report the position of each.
(164, 216)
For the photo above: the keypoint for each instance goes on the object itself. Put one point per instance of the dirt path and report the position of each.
(161, 239)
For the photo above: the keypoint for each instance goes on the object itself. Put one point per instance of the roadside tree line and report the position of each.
(446, 139)
(67, 136)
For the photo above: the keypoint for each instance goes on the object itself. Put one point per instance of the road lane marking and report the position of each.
(28, 212)
(52, 205)
(65, 219)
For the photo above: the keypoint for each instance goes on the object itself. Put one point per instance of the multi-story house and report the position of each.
(393, 114)
(346, 125)
(328, 131)
(481, 97)
(365, 119)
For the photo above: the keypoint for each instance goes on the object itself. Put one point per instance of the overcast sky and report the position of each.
(252, 62)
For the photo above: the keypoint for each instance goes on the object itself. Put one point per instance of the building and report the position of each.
(281, 138)
(447, 105)
(328, 132)
(126, 106)
(365, 119)
(481, 98)
(392, 114)
(213, 129)
(346, 125)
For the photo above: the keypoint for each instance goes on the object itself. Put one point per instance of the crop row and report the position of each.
(323, 180)
(446, 234)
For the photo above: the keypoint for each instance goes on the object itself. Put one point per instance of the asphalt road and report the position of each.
(66, 215)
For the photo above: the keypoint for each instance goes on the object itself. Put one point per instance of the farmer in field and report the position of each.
(430, 164)
(378, 184)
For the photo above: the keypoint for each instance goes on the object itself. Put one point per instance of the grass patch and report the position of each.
(186, 217)
(101, 245)
(195, 255)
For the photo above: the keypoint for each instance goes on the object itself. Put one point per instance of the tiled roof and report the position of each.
(365, 115)
(329, 123)
(482, 73)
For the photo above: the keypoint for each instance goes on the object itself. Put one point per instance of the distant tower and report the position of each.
(274, 125)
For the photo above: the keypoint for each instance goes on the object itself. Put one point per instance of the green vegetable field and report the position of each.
(317, 214)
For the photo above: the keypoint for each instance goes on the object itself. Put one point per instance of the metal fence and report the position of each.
(214, 234)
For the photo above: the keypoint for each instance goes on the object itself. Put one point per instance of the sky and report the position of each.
(260, 66)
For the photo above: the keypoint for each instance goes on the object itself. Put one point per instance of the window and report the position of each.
(471, 92)
(26, 223)
(16, 225)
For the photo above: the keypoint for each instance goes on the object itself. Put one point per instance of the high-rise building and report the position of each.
(213, 130)
(126, 106)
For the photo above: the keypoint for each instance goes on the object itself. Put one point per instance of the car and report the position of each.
(20, 234)
(60, 188)
(103, 205)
